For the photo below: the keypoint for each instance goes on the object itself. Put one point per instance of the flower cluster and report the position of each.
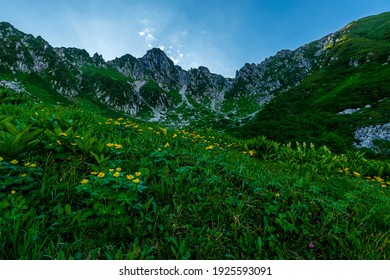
(250, 152)
(373, 179)
(116, 146)
(123, 123)
(113, 173)
(379, 180)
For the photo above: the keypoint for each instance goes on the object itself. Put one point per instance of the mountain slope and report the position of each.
(348, 91)
(293, 95)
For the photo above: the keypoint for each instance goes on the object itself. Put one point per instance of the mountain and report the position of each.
(345, 100)
(298, 95)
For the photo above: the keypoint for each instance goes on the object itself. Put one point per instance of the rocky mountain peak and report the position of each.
(7, 30)
(98, 60)
(131, 84)
(160, 67)
(156, 60)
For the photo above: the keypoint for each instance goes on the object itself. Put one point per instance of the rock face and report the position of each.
(13, 85)
(367, 135)
(73, 72)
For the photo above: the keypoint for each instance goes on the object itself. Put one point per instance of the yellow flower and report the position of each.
(159, 149)
(63, 134)
(166, 145)
(120, 119)
(251, 152)
(277, 194)
(14, 162)
(118, 146)
(108, 123)
(13, 192)
(209, 147)
(129, 177)
(163, 130)
(33, 165)
(85, 181)
(94, 173)
(110, 144)
(23, 175)
(341, 171)
(1, 159)
(111, 170)
(356, 174)
(138, 174)
(101, 175)
(174, 135)
(136, 181)
(117, 174)
(118, 169)
(59, 142)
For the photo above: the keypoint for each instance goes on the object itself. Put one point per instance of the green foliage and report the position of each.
(153, 95)
(102, 188)
(309, 112)
(106, 72)
(7, 96)
(76, 185)
(17, 140)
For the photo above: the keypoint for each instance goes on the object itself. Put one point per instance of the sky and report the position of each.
(221, 35)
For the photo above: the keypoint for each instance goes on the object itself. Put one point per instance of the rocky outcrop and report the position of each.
(153, 84)
(65, 69)
(366, 136)
(13, 85)
(129, 66)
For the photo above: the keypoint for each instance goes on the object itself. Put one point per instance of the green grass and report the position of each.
(98, 188)
(309, 112)
(107, 72)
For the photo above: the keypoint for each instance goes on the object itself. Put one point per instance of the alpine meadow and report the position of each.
(138, 159)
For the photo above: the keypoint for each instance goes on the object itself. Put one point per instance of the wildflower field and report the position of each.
(78, 185)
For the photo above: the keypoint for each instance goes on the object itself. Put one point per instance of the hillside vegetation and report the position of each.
(292, 96)
(355, 75)
(75, 184)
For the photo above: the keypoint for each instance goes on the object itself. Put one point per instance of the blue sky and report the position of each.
(221, 35)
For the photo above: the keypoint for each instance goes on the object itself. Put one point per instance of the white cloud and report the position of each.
(149, 37)
(174, 54)
(149, 40)
(143, 32)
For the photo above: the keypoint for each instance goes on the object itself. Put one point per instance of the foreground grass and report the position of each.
(80, 186)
